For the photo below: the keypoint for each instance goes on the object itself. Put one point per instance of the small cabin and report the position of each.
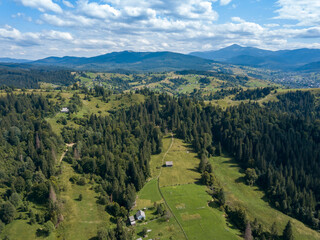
(64, 110)
(132, 221)
(169, 164)
(140, 215)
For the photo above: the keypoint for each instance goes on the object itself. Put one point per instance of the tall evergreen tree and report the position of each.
(288, 232)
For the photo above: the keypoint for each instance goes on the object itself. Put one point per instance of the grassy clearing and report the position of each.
(150, 194)
(82, 218)
(253, 200)
(156, 160)
(189, 204)
(185, 164)
(161, 229)
(188, 200)
(94, 106)
(14, 230)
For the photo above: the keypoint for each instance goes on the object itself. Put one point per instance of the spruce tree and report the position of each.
(287, 232)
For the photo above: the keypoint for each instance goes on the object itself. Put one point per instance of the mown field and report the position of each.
(253, 200)
(188, 199)
(189, 203)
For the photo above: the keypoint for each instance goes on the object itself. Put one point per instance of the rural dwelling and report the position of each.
(169, 164)
(132, 221)
(64, 110)
(140, 215)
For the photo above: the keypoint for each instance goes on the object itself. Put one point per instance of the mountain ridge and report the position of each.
(281, 59)
(143, 61)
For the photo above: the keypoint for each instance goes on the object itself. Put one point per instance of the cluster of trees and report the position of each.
(30, 78)
(253, 94)
(117, 149)
(220, 94)
(28, 149)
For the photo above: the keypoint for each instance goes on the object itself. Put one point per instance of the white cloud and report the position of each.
(96, 10)
(237, 19)
(42, 5)
(70, 20)
(225, 2)
(67, 4)
(306, 12)
(56, 35)
(271, 25)
(14, 36)
(92, 27)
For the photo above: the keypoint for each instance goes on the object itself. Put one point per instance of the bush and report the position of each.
(2, 225)
(82, 181)
(7, 212)
(48, 227)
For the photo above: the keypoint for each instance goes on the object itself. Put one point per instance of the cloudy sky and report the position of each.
(34, 29)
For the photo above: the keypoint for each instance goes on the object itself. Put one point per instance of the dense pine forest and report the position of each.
(31, 78)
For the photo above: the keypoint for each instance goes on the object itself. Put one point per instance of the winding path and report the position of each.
(64, 153)
(159, 189)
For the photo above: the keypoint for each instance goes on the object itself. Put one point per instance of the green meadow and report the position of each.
(189, 204)
(253, 199)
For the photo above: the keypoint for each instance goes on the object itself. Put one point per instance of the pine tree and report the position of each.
(274, 232)
(287, 232)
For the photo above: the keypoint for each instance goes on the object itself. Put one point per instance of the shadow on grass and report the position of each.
(193, 170)
(94, 238)
(240, 180)
(198, 182)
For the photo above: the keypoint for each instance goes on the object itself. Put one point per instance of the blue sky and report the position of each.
(35, 29)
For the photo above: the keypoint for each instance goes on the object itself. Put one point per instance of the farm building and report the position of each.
(140, 215)
(132, 221)
(64, 110)
(169, 164)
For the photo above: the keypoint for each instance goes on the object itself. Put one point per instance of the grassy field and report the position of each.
(189, 203)
(188, 200)
(160, 229)
(156, 160)
(82, 218)
(14, 230)
(253, 200)
(150, 194)
(185, 164)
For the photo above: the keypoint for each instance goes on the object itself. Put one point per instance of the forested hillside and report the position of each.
(277, 144)
(30, 78)
(28, 151)
(280, 143)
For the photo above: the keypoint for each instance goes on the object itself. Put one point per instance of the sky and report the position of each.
(33, 29)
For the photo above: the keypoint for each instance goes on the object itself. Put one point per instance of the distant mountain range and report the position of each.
(294, 60)
(13, 60)
(128, 60)
(302, 60)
